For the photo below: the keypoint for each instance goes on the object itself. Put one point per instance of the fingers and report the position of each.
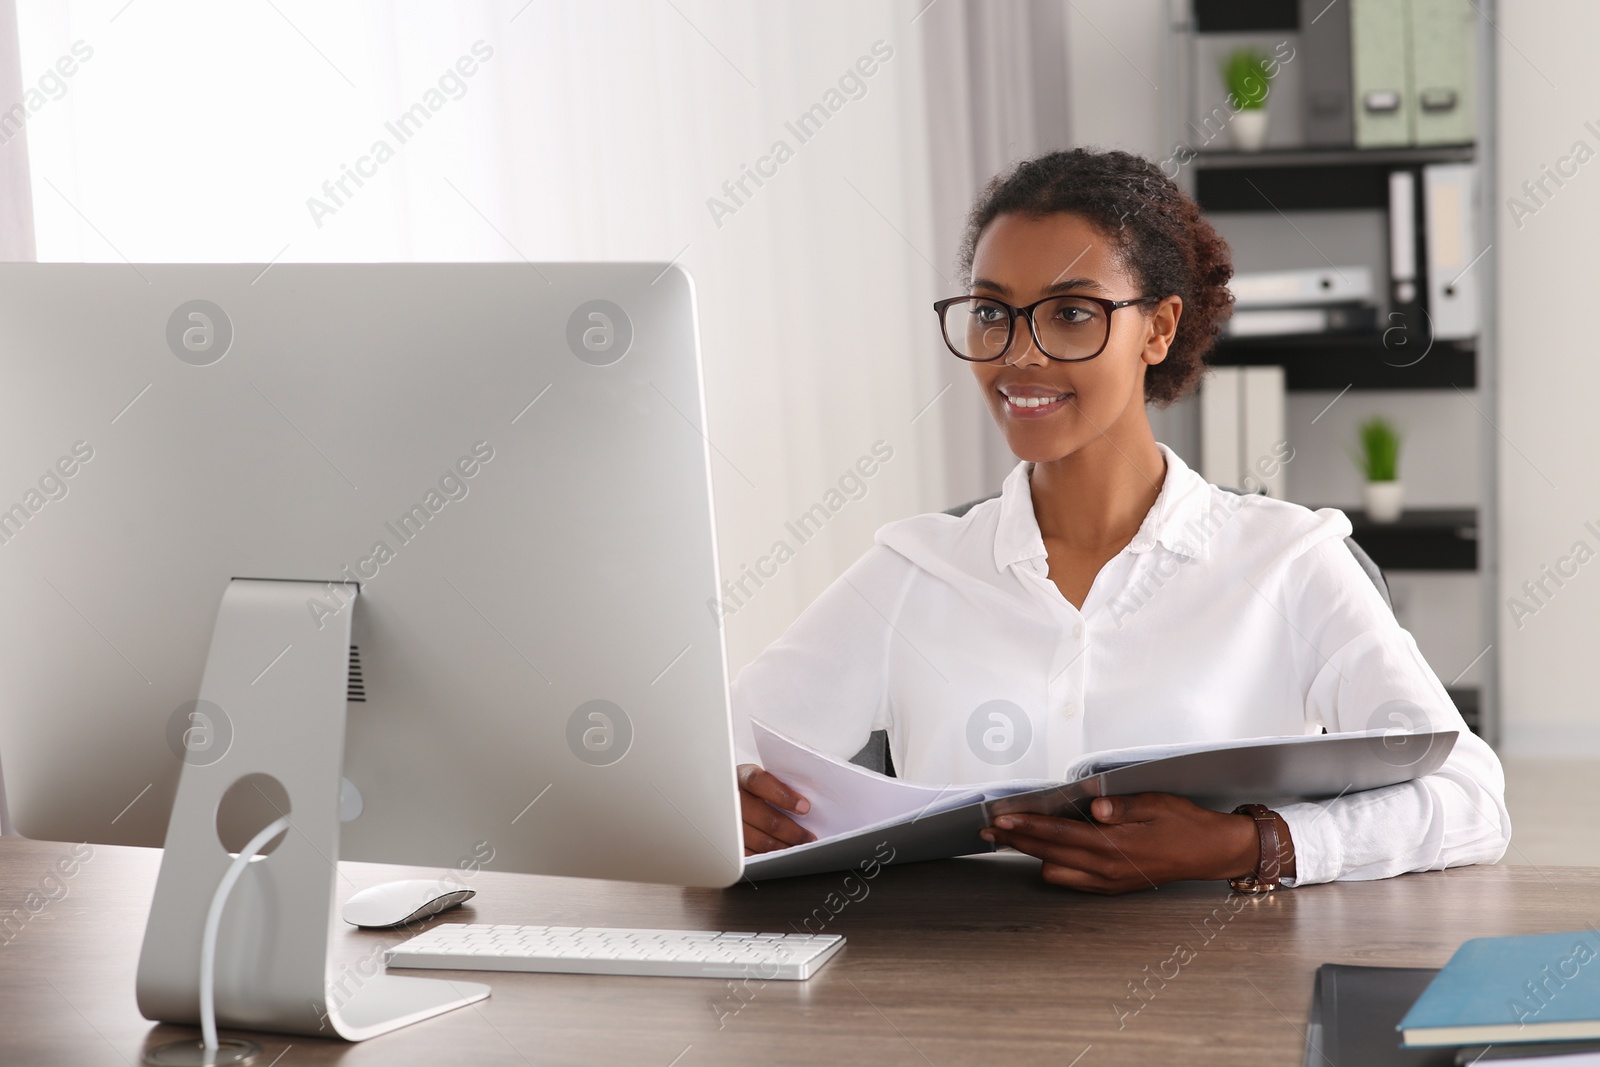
(757, 841)
(1051, 828)
(1134, 842)
(766, 827)
(760, 815)
(1078, 856)
(1084, 881)
(1088, 870)
(1134, 807)
(771, 788)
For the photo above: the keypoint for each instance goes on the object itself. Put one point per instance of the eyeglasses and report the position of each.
(1067, 329)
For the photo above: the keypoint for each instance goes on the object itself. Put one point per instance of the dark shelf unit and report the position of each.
(1325, 179)
(1246, 16)
(1424, 539)
(1279, 158)
(1309, 179)
(1356, 360)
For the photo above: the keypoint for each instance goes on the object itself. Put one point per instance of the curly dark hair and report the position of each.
(1157, 231)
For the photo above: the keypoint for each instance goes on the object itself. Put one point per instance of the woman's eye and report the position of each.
(1076, 313)
(987, 314)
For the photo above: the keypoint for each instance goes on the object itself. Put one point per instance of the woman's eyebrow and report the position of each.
(1063, 286)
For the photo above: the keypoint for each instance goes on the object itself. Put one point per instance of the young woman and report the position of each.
(1110, 596)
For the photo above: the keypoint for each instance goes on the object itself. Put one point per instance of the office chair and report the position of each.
(875, 756)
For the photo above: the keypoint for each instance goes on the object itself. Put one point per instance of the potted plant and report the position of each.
(1246, 73)
(1379, 462)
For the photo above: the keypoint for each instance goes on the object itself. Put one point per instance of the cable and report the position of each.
(208, 940)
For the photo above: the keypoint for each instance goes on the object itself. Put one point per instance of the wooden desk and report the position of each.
(961, 962)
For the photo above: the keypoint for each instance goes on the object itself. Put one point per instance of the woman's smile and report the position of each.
(1034, 401)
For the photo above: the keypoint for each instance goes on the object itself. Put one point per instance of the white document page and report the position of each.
(845, 797)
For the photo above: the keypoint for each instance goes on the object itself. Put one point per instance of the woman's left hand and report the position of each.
(1138, 841)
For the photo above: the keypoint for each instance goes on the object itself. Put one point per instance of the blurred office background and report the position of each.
(811, 164)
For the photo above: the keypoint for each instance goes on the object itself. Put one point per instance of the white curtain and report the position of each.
(196, 131)
(16, 211)
(1000, 97)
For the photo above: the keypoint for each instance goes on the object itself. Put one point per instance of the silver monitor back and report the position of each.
(510, 459)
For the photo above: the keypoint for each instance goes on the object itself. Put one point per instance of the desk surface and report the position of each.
(969, 961)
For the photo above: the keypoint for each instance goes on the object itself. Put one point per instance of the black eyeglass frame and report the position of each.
(1110, 306)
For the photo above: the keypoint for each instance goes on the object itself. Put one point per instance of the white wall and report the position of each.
(598, 130)
(1115, 67)
(1549, 486)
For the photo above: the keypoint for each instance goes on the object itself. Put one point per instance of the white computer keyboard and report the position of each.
(611, 950)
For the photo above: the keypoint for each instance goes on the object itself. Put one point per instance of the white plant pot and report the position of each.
(1249, 129)
(1382, 500)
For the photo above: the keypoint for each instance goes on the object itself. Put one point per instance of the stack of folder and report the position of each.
(1388, 72)
(1449, 249)
(1440, 256)
(1273, 303)
(1243, 429)
(1533, 999)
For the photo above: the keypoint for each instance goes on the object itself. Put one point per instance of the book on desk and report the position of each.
(1495, 990)
(1357, 1013)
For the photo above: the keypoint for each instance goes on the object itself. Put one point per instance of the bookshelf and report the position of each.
(1425, 539)
(1309, 178)
(1323, 361)
(1281, 179)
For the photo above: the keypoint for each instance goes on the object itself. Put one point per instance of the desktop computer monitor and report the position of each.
(495, 478)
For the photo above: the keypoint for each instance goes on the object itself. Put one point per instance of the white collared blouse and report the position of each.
(1226, 617)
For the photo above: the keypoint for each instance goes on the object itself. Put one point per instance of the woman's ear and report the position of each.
(1163, 327)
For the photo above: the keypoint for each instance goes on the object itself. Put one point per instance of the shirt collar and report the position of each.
(1178, 519)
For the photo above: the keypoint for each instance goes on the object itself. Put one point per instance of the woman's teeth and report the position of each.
(1034, 401)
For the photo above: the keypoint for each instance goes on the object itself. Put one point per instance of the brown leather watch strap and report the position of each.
(1269, 862)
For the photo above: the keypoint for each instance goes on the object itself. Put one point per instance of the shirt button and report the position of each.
(1077, 631)
(1071, 709)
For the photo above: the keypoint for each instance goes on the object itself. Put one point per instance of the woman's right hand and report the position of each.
(763, 799)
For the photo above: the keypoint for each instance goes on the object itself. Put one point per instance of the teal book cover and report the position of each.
(1539, 987)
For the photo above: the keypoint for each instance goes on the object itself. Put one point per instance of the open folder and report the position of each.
(860, 816)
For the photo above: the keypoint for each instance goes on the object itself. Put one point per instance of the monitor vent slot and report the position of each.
(357, 689)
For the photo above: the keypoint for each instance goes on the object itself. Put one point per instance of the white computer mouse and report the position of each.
(398, 903)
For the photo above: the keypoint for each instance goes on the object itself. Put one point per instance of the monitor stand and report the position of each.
(283, 717)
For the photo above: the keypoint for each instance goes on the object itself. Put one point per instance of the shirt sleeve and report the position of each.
(1367, 673)
(824, 682)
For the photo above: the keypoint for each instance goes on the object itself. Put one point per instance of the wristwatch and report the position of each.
(1269, 864)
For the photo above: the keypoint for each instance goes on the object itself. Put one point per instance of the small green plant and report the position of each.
(1246, 73)
(1379, 459)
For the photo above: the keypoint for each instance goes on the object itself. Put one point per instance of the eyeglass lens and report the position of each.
(1067, 327)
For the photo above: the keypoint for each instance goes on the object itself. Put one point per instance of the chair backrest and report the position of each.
(875, 754)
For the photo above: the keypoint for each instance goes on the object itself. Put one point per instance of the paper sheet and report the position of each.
(845, 797)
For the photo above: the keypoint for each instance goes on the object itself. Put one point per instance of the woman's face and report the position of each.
(1020, 259)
